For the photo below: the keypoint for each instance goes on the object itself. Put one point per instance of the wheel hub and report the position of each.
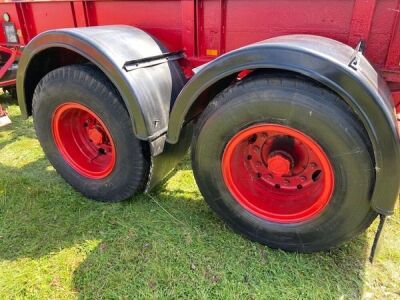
(278, 173)
(95, 136)
(83, 140)
(278, 164)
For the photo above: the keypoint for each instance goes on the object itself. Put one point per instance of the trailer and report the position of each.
(289, 105)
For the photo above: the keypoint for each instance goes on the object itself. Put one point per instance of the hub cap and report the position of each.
(83, 140)
(278, 173)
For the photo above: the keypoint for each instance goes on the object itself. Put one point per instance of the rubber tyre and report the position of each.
(86, 85)
(303, 105)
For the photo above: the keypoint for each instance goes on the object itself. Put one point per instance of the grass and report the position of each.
(55, 244)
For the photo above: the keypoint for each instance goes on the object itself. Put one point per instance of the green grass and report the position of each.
(56, 244)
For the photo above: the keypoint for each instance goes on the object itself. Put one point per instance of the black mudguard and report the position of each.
(337, 66)
(145, 74)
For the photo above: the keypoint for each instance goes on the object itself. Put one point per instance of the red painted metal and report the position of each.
(79, 12)
(393, 58)
(12, 54)
(361, 21)
(205, 29)
(2, 112)
(8, 82)
(396, 98)
(278, 173)
(279, 164)
(83, 140)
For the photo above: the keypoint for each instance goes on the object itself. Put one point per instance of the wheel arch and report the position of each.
(336, 66)
(109, 48)
(39, 65)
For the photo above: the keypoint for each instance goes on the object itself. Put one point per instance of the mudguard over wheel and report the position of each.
(86, 134)
(285, 162)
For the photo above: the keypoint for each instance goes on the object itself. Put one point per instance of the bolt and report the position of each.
(269, 176)
(303, 178)
(313, 165)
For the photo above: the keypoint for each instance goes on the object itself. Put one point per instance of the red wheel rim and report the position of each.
(278, 173)
(83, 140)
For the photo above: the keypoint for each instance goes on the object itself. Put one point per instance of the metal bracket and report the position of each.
(157, 145)
(378, 234)
(356, 57)
(152, 60)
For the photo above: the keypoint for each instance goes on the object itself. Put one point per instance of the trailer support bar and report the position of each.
(152, 60)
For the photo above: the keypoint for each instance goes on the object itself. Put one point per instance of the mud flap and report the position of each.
(165, 162)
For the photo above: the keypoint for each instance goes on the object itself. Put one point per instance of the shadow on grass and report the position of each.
(167, 244)
(19, 128)
(6, 98)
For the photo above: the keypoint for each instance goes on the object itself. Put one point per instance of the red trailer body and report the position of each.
(296, 141)
(205, 29)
